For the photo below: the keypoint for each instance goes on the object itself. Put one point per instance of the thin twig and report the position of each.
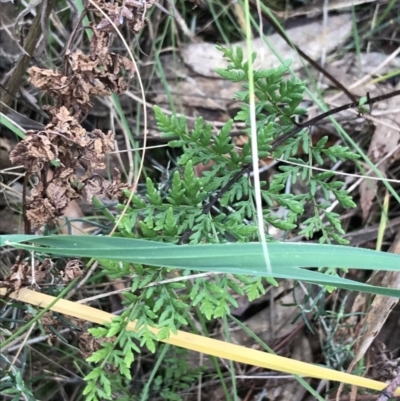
(308, 58)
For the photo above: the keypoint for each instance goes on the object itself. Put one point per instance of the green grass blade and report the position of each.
(288, 260)
(12, 126)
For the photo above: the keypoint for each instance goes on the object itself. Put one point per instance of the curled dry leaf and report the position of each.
(52, 82)
(65, 143)
(99, 145)
(35, 150)
(130, 11)
(97, 185)
(88, 344)
(72, 270)
(48, 319)
(93, 187)
(41, 210)
(384, 366)
(17, 277)
(115, 188)
(21, 274)
(93, 74)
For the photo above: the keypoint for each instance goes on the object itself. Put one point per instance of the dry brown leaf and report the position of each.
(52, 82)
(378, 311)
(88, 344)
(384, 365)
(21, 274)
(383, 141)
(193, 91)
(131, 11)
(299, 349)
(313, 39)
(368, 190)
(66, 143)
(208, 90)
(72, 270)
(317, 7)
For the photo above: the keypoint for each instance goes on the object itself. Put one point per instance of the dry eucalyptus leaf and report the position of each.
(378, 311)
(384, 140)
(313, 39)
(193, 91)
(317, 7)
(208, 90)
(368, 190)
(386, 134)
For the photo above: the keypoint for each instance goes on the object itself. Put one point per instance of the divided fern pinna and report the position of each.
(166, 218)
(277, 106)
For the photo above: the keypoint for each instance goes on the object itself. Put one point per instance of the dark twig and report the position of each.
(388, 391)
(13, 83)
(279, 141)
(308, 58)
(73, 33)
(27, 224)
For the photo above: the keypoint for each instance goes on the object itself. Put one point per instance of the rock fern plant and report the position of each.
(166, 217)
